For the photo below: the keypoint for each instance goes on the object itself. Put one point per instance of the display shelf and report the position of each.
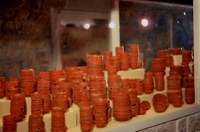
(71, 119)
(139, 122)
(151, 118)
(136, 123)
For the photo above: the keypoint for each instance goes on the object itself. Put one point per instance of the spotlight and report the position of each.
(86, 26)
(144, 22)
(111, 25)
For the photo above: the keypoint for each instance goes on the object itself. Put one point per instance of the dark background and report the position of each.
(185, 2)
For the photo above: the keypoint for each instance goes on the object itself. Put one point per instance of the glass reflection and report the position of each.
(155, 26)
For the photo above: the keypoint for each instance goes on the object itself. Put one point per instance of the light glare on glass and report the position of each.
(86, 26)
(111, 25)
(144, 22)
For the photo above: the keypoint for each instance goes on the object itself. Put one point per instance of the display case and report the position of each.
(137, 123)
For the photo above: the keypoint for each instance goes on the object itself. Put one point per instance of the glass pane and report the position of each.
(83, 31)
(155, 26)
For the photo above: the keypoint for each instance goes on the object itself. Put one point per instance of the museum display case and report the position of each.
(119, 88)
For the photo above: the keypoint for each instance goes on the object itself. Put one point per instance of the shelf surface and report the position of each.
(151, 118)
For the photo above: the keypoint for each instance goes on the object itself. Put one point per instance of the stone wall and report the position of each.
(25, 40)
(19, 53)
(189, 123)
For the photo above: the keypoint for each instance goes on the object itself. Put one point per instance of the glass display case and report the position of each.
(155, 26)
(152, 26)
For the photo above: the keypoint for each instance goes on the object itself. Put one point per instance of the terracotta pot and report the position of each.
(119, 50)
(189, 95)
(159, 82)
(58, 120)
(145, 105)
(161, 53)
(36, 123)
(9, 123)
(175, 51)
(10, 89)
(160, 102)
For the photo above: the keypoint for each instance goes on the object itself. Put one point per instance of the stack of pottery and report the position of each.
(161, 53)
(58, 120)
(124, 61)
(69, 71)
(160, 102)
(112, 70)
(125, 83)
(10, 89)
(158, 65)
(100, 111)
(169, 60)
(139, 86)
(67, 88)
(114, 84)
(43, 83)
(132, 83)
(189, 90)
(95, 71)
(2, 87)
(43, 76)
(27, 82)
(55, 89)
(177, 70)
(86, 117)
(9, 123)
(84, 95)
(159, 81)
(133, 56)
(83, 71)
(129, 86)
(185, 76)
(134, 102)
(61, 101)
(175, 51)
(158, 69)
(37, 104)
(95, 61)
(121, 105)
(43, 88)
(186, 57)
(55, 76)
(186, 69)
(148, 82)
(174, 91)
(119, 50)
(95, 65)
(96, 79)
(36, 123)
(115, 62)
(97, 87)
(18, 106)
(75, 85)
(107, 59)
